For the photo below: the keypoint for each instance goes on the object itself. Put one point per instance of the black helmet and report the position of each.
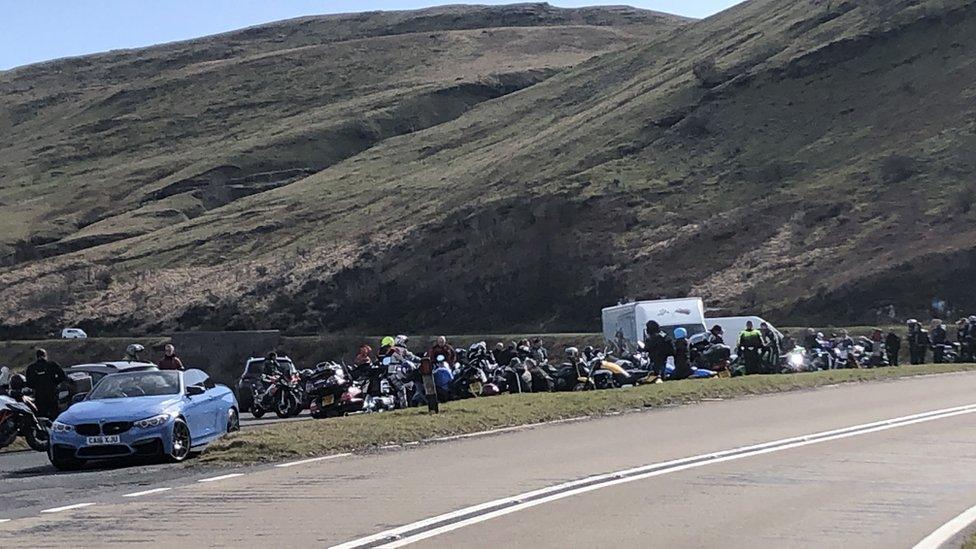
(18, 382)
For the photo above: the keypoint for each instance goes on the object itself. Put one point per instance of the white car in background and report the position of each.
(73, 333)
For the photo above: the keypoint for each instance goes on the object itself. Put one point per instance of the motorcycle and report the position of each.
(469, 381)
(332, 392)
(282, 396)
(18, 417)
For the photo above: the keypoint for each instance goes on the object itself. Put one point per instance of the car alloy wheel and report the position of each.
(181, 441)
(233, 421)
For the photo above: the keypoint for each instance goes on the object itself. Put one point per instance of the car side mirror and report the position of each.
(194, 390)
(78, 398)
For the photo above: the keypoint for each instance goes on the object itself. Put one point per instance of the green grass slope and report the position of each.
(806, 159)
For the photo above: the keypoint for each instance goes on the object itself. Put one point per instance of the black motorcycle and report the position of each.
(331, 392)
(18, 417)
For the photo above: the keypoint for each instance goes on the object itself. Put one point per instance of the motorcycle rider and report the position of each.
(44, 376)
(918, 342)
(443, 377)
(170, 361)
(772, 351)
(132, 352)
(810, 340)
(401, 350)
(658, 347)
(364, 355)
(682, 362)
(272, 367)
(503, 354)
(750, 344)
(386, 346)
(539, 353)
(892, 347)
(440, 347)
(938, 337)
(716, 336)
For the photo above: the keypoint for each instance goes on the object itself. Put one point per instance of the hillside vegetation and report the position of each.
(497, 169)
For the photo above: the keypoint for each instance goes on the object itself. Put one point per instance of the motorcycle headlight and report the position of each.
(59, 427)
(796, 360)
(154, 421)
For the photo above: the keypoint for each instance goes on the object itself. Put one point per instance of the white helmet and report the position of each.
(133, 350)
(572, 352)
(401, 340)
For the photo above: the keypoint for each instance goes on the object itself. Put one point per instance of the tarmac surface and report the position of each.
(689, 476)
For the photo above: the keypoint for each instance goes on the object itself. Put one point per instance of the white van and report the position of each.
(732, 326)
(629, 319)
(73, 333)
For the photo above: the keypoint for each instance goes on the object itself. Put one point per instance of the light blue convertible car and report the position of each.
(148, 413)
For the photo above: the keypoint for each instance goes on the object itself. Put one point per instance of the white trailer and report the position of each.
(627, 321)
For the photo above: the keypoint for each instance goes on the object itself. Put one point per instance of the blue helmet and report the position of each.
(680, 333)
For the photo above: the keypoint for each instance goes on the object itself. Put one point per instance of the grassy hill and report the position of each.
(518, 167)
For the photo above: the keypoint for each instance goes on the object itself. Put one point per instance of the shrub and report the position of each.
(897, 168)
(707, 73)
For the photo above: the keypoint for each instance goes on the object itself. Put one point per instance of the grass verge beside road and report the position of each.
(362, 432)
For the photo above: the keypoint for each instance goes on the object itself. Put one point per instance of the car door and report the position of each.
(196, 408)
(216, 406)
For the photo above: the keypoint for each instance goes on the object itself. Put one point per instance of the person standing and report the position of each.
(918, 342)
(892, 347)
(682, 358)
(658, 347)
(939, 338)
(750, 344)
(44, 376)
(170, 361)
(440, 347)
(772, 349)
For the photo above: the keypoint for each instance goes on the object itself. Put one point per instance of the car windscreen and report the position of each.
(137, 384)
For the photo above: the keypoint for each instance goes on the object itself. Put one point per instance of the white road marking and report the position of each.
(948, 530)
(221, 477)
(414, 532)
(146, 492)
(507, 429)
(4, 520)
(67, 507)
(312, 460)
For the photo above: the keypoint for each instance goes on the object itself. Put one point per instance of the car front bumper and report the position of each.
(153, 441)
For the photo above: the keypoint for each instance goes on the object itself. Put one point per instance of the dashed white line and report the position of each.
(67, 508)
(146, 492)
(221, 477)
(948, 530)
(312, 460)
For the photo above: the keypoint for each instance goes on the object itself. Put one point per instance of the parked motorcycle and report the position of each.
(18, 417)
(332, 392)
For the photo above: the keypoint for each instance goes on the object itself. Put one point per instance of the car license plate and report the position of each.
(96, 441)
(327, 400)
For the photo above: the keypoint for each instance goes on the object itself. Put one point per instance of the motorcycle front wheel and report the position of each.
(38, 437)
(286, 405)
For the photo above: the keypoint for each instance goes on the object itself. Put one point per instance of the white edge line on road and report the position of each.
(948, 530)
(146, 492)
(221, 477)
(67, 508)
(588, 484)
(312, 460)
(4, 520)
(506, 429)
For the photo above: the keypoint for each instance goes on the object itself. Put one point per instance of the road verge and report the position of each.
(364, 432)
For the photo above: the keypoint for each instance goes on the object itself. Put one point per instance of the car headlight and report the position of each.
(154, 421)
(59, 427)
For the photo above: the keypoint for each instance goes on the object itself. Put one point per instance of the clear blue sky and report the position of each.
(38, 30)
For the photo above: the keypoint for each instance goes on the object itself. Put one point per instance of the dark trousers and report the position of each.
(938, 354)
(916, 354)
(752, 360)
(893, 356)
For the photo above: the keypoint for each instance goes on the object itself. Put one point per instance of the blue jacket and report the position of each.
(443, 377)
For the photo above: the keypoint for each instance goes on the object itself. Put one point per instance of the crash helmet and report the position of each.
(911, 321)
(680, 333)
(572, 352)
(716, 329)
(972, 319)
(460, 353)
(524, 349)
(387, 342)
(474, 347)
(133, 350)
(17, 382)
(589, 351)
(401, 340)
(489, 389)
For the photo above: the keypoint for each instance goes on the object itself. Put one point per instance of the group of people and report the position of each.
(937, 339)
(44, 376)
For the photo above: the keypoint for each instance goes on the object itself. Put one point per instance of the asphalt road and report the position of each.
(28, 482)
(886, 485)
